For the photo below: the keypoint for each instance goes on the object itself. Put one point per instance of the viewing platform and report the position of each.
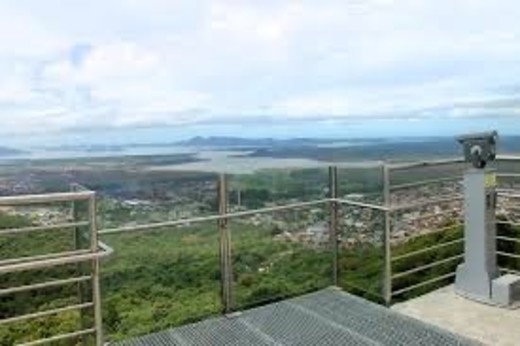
(326, 317)
(329, 267)
(487, 324)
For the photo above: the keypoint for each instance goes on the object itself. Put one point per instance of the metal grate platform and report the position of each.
(326, 317)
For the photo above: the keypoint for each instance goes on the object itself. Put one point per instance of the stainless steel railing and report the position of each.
(91, 254)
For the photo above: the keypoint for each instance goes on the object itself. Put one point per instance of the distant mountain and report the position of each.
(5, 151)
(262, 142)
(390, 150)
(90, 148)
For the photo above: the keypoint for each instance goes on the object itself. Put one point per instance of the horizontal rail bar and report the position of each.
(43, 228)
(434, 231)
(46, 263)
(200, 219)
(424, 283)
(427, 202)
(504, 193)
(359, 204)
(59, 337)
(510, 271)
(509, 195)
(511, 223)
(361, 289)
(157, 225)
(508, 158)
(53, 283)
(514, 207)
(43, 257)
(358, 165)
(427, 266)
(508, 175)
(431, 248)
(275, 208)
(424, 182)
(45, 198)
(507, 254)
(45, 313)
(514, 240)
(107, 249)
(78, 187)
(425, 163)
(430, 216)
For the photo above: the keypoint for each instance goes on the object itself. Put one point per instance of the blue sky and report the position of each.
(130, 70)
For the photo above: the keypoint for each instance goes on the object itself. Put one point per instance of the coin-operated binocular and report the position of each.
(478, 277)
(479, 148)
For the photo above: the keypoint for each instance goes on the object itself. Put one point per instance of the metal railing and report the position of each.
(508, 222)
(431, 216)
(91, 253)
(452, 232)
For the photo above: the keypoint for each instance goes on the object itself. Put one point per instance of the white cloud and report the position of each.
(135, 63)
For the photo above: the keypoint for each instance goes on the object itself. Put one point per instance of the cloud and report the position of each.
(133, 63)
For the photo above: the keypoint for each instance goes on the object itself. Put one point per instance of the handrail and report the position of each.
(8, 201)
(509, 195)
(59, 337)
(434, 247)
(510, 223)
(46, 263)
(508, 158)
(200, 219)
(423, 283)
(408, 165)
(509, 271)
(398, 207)
(508, 175)
(43, 227)
(513, 240)
(45, 313)
(429, 216)
(424, 182)
(360, 204)
(47, 284)
(107, 249)
(43, 257)
(426, 266)
(507, 254)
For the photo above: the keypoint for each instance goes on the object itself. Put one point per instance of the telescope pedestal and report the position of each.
(478, 277)
(475, 275)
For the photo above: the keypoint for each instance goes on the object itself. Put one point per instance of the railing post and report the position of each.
(81, 242)
(225, 246)
(387, 275)
(96, 292)
(333, 221)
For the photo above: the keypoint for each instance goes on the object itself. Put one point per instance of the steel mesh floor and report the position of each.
(326, 317)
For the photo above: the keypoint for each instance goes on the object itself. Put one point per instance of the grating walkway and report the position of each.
(326, 317)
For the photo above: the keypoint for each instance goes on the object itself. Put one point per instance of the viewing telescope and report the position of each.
(479, 148)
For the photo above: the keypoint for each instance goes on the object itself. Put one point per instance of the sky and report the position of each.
(161, 70)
